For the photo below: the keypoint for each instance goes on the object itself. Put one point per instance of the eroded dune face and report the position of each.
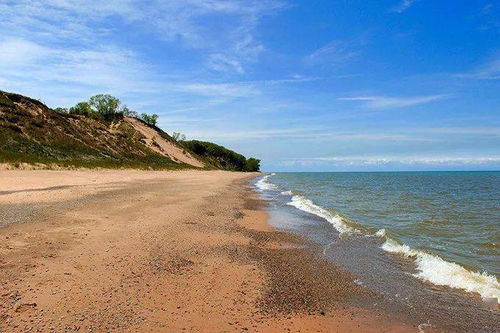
(163, 146)
(31, 132)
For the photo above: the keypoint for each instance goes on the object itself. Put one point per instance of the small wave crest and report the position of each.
(264, 184)
(440, 272)
(310, 207)
(430, 268)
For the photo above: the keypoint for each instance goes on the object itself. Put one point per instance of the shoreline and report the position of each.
(420, 302)
(162, 251)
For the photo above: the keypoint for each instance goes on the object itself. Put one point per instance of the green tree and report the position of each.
(61, 110)
(105, 104)
(218, 155)
(129, 113)
(150, 119)
(125, 110)
(82, 108)
(178, 136)
(252, 165)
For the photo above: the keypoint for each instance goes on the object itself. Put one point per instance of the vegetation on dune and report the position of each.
(150, 119)
(178, 136)
(252, 165)
(105, 104)
(96, 134)
(222, 157)
(77, 137)
(106, 107)
(83, 109)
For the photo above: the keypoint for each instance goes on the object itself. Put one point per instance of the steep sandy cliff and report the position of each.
(30, 132)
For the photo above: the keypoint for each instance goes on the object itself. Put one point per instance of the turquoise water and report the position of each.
(447, 222)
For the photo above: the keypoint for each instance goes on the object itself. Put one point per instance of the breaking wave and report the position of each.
(430, 268)
(264, 184)
(440, 272)
(306, 205)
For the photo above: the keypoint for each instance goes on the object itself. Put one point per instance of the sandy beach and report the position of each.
(140, 251)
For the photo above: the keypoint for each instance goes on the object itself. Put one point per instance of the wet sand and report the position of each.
(136, 251)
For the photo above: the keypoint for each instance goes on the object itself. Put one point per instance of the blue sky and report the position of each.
(303, 85)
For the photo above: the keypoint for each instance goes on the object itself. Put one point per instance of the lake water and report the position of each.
(415, 237)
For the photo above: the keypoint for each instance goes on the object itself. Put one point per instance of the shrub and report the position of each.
(61, 110)
(107, 107)
(218, 155)
(82, 108)
(178, 136)
(5, 101)
(105, 104)
(252, 165)
(129, 113)
(150, 119)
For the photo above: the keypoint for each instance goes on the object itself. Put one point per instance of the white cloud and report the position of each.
(382, 102)
(489, 17)
(487, 71)
(304, 133)
(487, 9)
(223, 29)
(224, 63)
(63, 74)
(322, 134)
(261, 134)
(67, 49)
(244, 50)
(403, 6)
(463, 131)
(61, 19)
(220, 90)
(19, 52)
(334, 53)
(405, 160)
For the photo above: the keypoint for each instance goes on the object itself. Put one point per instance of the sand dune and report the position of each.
(163, 146)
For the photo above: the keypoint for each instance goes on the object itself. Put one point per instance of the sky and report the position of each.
(304, 85)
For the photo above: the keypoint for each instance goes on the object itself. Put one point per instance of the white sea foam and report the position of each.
(380, 233)
(440, 272)
(430, 268)
(264, 184)
(308, 206)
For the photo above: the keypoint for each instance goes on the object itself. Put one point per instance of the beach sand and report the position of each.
(140, 251)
